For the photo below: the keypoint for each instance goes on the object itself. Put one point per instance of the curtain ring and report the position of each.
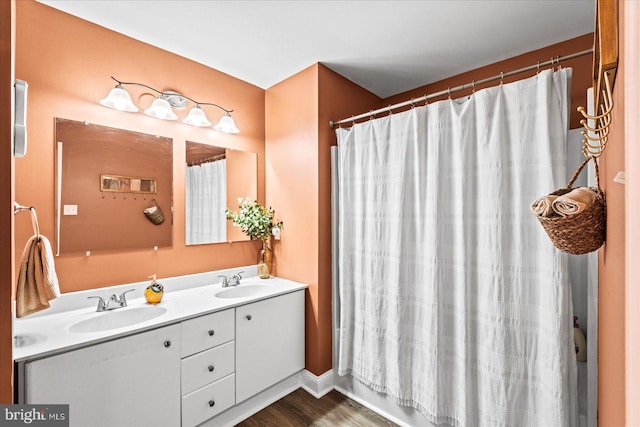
(390, 111)
(473, 86)
(538, 68)
(353, 121)
(370, 114)
(501, 77)
(449, 92)
(426, 100)
(412, 104)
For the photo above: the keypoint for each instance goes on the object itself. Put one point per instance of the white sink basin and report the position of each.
(244, 291)
(117, 318)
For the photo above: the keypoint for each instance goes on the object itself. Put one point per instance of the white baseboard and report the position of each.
(371, 406)
(317, 386)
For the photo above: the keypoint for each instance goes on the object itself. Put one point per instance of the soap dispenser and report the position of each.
(154, 291)
(580, 341)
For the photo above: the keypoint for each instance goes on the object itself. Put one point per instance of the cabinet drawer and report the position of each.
(207, 366)
(208, 401)
(207, 331)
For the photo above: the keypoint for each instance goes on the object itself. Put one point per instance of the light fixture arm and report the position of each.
(170, 93)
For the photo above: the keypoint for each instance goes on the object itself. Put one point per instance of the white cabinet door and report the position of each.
(269, 342)
(131, 381)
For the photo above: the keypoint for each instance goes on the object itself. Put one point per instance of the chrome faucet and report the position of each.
(119, 301)
(235, 279)
(225, 281)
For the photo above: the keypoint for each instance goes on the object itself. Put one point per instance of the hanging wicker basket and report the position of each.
(581, 232)
(154, 213)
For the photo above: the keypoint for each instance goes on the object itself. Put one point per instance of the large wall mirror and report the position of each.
(113, 188)
(215, 178)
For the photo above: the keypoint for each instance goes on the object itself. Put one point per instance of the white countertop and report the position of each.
(48, 332)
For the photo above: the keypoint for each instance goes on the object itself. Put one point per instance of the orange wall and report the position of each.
(67, 63)
(611, 265)
(7, 273)
(581, 77)
(292, 188)
(298, 141)
(630, 37)
(338, 97)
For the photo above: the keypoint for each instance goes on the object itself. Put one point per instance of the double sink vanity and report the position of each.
(203, 351)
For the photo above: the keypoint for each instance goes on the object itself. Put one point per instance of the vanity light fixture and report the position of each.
(196, 117)
(119, 99)
(226, 124)
(161, 109)
(163, 106)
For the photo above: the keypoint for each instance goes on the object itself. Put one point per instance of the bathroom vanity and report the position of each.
(204, 350)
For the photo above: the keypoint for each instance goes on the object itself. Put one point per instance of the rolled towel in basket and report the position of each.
(574, 201)
(543, 206)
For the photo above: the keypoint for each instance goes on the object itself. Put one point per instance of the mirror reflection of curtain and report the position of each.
(206, 201)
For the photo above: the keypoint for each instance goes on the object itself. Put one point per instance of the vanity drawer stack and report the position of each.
(207, 366)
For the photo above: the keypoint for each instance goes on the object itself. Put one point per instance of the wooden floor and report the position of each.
(300, 409)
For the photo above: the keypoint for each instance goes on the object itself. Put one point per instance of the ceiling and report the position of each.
(387, 47)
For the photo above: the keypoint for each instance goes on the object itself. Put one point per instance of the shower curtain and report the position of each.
(206, 202)
(452, 298)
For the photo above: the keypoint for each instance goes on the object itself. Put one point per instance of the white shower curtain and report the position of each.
(452, 298)
(206, 202)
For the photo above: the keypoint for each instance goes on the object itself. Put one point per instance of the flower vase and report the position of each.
(265, 260)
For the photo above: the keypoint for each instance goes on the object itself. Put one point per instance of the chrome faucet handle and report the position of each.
(101, 304)
(236, 278)
(122, 299)
(225, 281)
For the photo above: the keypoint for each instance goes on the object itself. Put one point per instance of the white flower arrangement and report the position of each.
(254, 219)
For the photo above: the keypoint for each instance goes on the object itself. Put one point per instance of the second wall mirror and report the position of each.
(215, 178)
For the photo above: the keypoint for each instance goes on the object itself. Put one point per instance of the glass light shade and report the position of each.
(196, 117)
(119, 99)
(161, 109)
(226, 124)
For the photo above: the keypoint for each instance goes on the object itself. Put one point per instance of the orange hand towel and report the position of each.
(542, 206)
(37, 279)
(574, 201)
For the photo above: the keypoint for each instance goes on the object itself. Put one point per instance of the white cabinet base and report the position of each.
(269, 342)
(130, 381)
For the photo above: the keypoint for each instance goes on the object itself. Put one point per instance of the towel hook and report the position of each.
(17, 208)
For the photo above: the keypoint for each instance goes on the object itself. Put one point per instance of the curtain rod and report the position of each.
(471, 85)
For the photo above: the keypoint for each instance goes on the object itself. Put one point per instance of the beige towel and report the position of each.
(574, 201)
(37, 279)
(542, 206)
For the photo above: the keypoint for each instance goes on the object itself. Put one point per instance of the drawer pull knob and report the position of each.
(211, 332)
(249, 317)
(167, 343)
(211, 403)
(210, 368)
